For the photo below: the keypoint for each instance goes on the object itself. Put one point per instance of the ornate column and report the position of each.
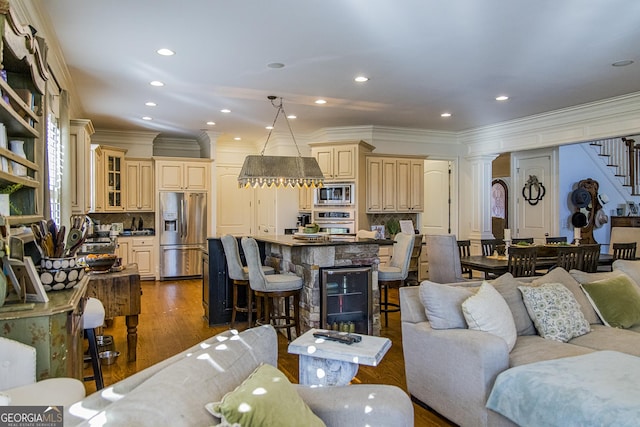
(480, 196)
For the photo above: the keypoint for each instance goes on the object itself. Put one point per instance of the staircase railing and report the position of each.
(624, 155)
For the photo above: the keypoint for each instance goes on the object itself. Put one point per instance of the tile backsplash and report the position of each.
(148, 218)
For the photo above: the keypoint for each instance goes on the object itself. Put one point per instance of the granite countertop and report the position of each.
(289, 240)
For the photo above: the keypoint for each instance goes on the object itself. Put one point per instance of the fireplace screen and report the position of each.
(346, 299)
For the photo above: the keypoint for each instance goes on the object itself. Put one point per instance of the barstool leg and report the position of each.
(235, 304)
(296, 313)
(95, 358)
(287, 313)
(250, 305)
(385, 305)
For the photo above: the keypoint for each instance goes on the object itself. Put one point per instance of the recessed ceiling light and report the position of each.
(623, 63)
(156, 83)
(147, 118)
(210, 123)
(361, 79)
(150, 104)
(237, 138)
(502, 98)
(292, 116)
(445, 115)
(268, 127)
(165, 52)
(225, 110)
(320, 101)
(275, 65)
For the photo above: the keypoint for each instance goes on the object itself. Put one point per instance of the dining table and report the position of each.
(496, 265)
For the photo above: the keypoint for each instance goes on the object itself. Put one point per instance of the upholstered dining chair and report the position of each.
(394, 273)
(444, 259)
(590, 257)
(624, 251)
(239, 275)
(18, 385)
(522, 260)
(464, 249)
(270, 289)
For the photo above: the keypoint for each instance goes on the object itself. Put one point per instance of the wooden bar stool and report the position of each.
(272, 289)
(239, 274)
(393, 274)
(92, 318)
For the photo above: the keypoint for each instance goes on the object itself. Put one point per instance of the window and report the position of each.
(56, 166)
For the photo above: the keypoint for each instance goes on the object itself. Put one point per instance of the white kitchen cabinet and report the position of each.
(140, 185)
(143, 252)
(80, 165)
(187, 174)
(305, 199)
(108, 184)
(394, 184)
(122, 251)
(337, 163)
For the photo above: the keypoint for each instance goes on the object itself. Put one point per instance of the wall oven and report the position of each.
(341, 221)
(335, 195)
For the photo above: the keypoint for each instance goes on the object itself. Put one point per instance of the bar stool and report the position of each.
(393, 274)
(239, 274)
(271, 288)
(92, 318)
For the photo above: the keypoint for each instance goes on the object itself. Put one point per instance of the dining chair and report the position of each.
(444, 259)
(590, 257)
(489, 246)
(558, 239)
(522, 260)
(624, 251)
(517, 240)
(239, 276)
(464, 249)
(271, 290)
(569, 257)
(18, 385)
(393, 274)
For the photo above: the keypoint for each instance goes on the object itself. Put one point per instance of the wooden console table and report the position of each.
(120, 294)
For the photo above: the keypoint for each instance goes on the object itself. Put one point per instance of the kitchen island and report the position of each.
(305, 258)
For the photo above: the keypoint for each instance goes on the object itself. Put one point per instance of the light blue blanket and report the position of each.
(595, 389)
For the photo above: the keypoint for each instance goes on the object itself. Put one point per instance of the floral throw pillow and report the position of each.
(554, 311)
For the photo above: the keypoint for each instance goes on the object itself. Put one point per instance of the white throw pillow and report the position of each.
(554, 311)
(488, 311)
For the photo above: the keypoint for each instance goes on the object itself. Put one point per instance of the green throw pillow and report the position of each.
(265, 398)
(616, 300)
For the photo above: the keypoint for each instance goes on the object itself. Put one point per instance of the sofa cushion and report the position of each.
(443, 304)
(487, 311)
(560, 275)
(605, 338)
(267, 398)
(534, 348)
(554, 311)
(630, 268)
(616, 300)
(507, 285)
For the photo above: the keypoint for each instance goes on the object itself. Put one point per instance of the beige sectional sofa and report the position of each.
(175, 391)
(452, 369)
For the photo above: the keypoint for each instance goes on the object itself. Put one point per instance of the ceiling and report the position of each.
(423, 58)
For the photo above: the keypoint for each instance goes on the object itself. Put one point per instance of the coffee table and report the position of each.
(328, 363)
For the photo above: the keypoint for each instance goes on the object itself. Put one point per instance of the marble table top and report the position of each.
(369, 351)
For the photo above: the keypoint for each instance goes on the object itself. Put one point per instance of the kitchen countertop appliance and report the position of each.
(183, 230)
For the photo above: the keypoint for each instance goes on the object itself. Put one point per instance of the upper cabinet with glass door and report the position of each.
(109, 179)
(23, 81)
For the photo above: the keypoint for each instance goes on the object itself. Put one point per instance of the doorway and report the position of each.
(499, 208)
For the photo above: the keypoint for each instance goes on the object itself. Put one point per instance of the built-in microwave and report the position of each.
(335, 194)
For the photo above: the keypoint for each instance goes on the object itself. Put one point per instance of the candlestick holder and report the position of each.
(507, 243)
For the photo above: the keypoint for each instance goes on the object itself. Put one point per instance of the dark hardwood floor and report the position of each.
(172, 320)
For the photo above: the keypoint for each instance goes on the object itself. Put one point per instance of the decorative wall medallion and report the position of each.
(533, 191)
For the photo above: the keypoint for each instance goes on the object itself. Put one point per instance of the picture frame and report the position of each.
(632, 208)
(25, 279)
(379, 229)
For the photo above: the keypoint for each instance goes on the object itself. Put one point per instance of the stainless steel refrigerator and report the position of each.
(183, 233)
